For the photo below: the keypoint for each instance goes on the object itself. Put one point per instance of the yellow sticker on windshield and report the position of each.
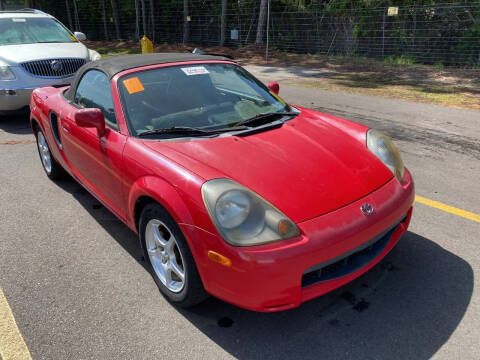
(277, 97)
(73, 38)
(133, 85)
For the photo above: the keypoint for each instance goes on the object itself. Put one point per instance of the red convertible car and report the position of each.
(232, 191)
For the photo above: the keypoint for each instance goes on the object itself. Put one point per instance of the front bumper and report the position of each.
(282, 275)
(14, 99)
(15, 94)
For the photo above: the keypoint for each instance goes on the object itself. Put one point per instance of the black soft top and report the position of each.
(114, 65)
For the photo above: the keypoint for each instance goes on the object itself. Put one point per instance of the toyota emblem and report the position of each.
(367, 209)
(56, 65)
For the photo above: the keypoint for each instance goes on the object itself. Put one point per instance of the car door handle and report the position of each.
(66, 128)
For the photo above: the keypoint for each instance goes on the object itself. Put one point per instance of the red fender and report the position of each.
(162, 192)
(168, 197)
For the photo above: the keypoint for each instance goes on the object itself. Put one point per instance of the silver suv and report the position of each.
(36, 50)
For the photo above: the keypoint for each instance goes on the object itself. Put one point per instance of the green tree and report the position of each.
(223, 23)
(262, 17)
(116, 18)
(186, 22)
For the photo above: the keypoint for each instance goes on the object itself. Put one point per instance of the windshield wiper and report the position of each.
(186, 130)
(265, 117)
(183, 130)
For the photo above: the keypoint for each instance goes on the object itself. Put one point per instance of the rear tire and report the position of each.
(169, 258)
(52, 168)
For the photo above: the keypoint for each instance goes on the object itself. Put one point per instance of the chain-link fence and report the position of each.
(446, 33)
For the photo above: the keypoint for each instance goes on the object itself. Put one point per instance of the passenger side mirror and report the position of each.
(273, 86)
(80, 36)
(91, 118)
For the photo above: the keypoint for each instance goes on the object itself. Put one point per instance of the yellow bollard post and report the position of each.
(147, 45)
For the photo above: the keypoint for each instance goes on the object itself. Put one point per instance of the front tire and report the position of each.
(52, 168)
(169, 258)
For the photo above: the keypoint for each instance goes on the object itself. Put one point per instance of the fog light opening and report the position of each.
(8, 92)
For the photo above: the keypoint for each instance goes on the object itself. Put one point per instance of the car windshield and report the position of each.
(203, 96)
(30, 30)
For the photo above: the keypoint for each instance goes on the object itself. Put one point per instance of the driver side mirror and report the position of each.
(80, 36)
(273, 86)
(91, 118)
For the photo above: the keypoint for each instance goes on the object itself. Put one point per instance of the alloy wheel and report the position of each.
(44, 152)
(165, 256)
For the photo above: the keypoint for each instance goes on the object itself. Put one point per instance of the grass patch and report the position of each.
(399, 60)
(109, 52)
(408, 90)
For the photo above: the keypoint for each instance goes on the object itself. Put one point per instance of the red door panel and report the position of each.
(96, 161)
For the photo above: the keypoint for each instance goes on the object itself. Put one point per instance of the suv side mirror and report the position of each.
(274, 87)
(80, 36)
(91, 118)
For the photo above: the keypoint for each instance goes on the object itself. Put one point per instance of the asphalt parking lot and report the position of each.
(76, 285)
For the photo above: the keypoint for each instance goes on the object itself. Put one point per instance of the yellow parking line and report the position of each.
(447, 208)
(12, 345)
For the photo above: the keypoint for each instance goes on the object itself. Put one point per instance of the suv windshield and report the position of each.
(202, 96)
(30, 30)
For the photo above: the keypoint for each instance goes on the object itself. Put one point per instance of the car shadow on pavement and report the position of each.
(405, 307)
(18, 123)
(116, 228)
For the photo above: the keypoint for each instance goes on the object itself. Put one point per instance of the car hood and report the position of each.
(306, 168)
(15, 54)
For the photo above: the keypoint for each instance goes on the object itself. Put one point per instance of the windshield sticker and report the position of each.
(18, 20)
(133, 85)
(195, 70)
(73, 38)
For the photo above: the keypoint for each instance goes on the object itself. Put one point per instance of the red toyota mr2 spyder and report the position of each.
(232, 191)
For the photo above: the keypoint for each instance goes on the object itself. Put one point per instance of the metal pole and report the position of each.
(383, 36)
(334, 36)
(144, 17)
(186, 22)
(250, 28)
(223, 23)
(77, 21)
(69, 15)
(137, 20)
(268, 30)
(104, 18)
(316, 23)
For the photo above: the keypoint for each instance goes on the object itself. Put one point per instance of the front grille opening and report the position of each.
(350, 263)
(53, 67)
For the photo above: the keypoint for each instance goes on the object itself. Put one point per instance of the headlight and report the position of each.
(6, 73)
(242, 217)
(384, 148)
(94, 56)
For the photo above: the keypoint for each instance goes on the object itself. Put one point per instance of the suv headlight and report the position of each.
(6, 73)
(242, 217)
(94, 55)
(384, 148)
